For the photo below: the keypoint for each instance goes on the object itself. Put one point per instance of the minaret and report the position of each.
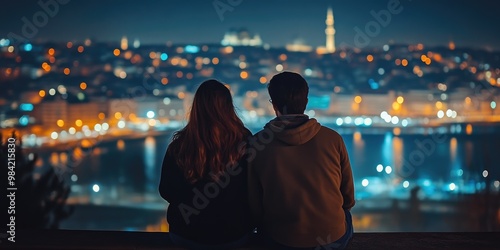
(330, 32)
(124, 43)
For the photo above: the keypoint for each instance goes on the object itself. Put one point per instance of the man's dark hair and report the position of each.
(288, 92)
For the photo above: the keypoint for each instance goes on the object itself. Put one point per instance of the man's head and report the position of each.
(288, 92)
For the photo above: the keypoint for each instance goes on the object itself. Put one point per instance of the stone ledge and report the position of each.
(80, 239)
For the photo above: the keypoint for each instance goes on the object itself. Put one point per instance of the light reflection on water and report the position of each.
(127, 170)
(150, 163)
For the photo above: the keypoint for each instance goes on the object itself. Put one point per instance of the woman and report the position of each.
(204, 176)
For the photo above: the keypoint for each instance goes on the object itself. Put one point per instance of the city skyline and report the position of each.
(467, 23)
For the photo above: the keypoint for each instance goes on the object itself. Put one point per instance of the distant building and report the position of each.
(241, 37)
(298, 45)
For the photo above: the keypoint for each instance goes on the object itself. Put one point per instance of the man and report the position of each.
(300, 180)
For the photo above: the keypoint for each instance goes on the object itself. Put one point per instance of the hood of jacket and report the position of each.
(294, 129)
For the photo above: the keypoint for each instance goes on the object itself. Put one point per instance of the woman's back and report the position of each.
(208, 212)
(204, 176)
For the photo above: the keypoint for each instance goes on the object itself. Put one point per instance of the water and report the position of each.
(127, 171)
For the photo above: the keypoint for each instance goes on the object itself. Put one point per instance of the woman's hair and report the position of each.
(214, 136)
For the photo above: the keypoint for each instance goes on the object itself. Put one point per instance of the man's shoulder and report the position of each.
(325, 131)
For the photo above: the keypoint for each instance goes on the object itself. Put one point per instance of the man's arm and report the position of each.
(347, 184)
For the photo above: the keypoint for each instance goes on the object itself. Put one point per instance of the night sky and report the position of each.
(432, 22)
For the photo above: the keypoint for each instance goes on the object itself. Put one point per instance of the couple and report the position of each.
(292, 180)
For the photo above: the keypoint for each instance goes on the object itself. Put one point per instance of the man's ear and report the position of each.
(276, 110)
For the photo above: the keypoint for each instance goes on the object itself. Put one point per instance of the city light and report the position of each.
(485, 173)
(358, 99)
(244, 75)
(452, 186)
(367, 121)
(400, 99)
(96, 188)
(164, 81)
(166, 101)
(388, 169)
(406, 184)
(358, 121)
(339, 121)
(78, 123)
(263, 80)
(439, 105)
(150, 114)
(396, 106)
(365, 182)
(394, 120)
(404, 62)
(449, 113)
(28, 47)
(380, 168)
(121, 124)
(105, 126)
(24, 120)
(404, 122)
(54, 135)
(26, 107)
(74, 178)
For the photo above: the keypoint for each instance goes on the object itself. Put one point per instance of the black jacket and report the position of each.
(206, 212)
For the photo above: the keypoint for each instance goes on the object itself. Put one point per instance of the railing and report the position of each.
(78, 239)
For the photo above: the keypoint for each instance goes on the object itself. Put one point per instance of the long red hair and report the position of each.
(213, 136)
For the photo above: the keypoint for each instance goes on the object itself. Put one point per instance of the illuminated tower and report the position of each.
(330, 31)
(124, 43)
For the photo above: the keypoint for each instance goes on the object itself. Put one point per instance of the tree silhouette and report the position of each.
(41, 196)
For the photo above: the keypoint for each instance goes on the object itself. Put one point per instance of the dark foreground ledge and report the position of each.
(79, 239)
